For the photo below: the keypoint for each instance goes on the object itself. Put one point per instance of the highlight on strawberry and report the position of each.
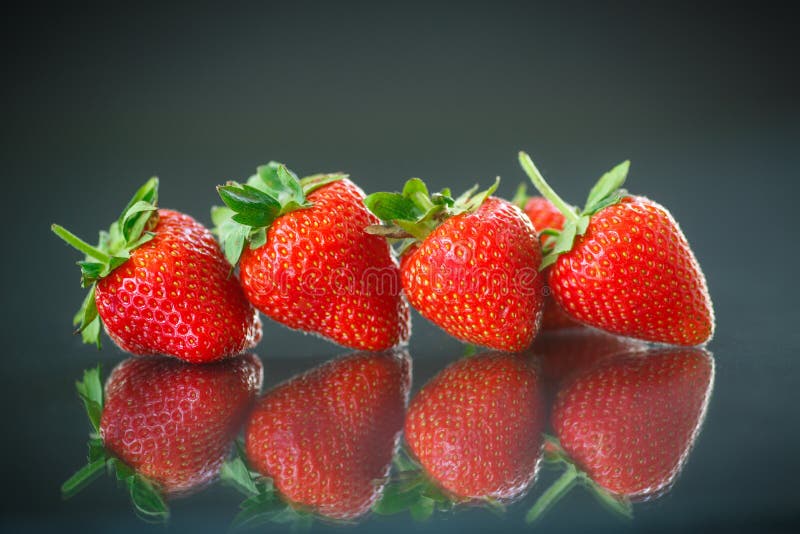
(473, 435)
(624, 427)
(321, 444)
(622, 264)
(469, 264)
(164, 427)
(305, 260)
(159, 284)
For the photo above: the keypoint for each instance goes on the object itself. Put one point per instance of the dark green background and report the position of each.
(702, 99)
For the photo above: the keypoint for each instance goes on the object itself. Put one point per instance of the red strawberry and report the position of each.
(629, 422)
(309, 264)
(476, 427)
(545, 218)
(471, 268)
(623, 265)
(160, 285)
(165, 426)
(326, 438)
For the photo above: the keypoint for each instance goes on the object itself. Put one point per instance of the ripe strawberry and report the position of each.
(306, 262)
(629, 422)
(545, 218)
(159, 284)
(623, 265)
(165, 426)
(476, 427)
(326, 438)
(470, 263)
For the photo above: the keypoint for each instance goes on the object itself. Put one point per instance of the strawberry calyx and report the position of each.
(411, 489)
(411, 215)
(145, 495)
(251, 208)
(263, 503)
(555, 456)
(126, 234)
(606, 192)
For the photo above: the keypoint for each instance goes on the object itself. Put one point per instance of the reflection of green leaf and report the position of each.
(147, 499)
(234, 473)
(90, 390)
(82, 478)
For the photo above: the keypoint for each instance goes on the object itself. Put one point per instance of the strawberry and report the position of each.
(306, 262)
(159, 284)
(545, 218)
(623, 265)
(475, 428)
(469, 264)
(626, 425)
(165, 426)
(326, 438)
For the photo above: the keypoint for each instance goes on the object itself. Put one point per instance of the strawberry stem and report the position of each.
(544, 188)
(80, 244)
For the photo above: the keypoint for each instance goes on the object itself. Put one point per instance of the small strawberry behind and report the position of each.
(305, 260)
(159, 284)
(548, 222)
(469, 264)
(622, 264)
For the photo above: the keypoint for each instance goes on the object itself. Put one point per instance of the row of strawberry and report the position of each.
(624, 418)
(314, 254)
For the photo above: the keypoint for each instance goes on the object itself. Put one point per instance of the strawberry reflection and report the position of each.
(474, 433)
(164, 426)
(625, 425)
(322, 443)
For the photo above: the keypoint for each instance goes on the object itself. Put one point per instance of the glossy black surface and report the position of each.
(701, 99)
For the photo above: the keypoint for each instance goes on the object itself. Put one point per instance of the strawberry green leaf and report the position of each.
(90, 390)
(392, 206)
(252, 206)
(281, 183)
(135, 219)
(315, 181)
(521, 197)
(87, 320)
(415, 212)
(606, 185)
(474, 202)
(563, 244)
(82, 478)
